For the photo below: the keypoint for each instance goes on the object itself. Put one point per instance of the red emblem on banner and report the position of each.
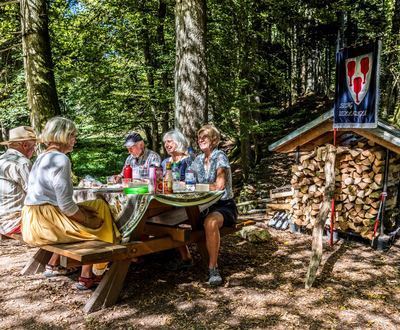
(358, 76)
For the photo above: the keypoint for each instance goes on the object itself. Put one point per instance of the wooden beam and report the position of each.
(87, 252)
(155, 208)
(193, 213)
(373, 137)
(37, 263)
(176, 233)
(169, 218)
(323, 139)
(306, 137)
(279, 206)
(108, 291)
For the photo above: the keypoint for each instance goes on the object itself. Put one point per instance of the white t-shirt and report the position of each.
(50, 182)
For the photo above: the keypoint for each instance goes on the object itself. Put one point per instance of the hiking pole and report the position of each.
(381, 210)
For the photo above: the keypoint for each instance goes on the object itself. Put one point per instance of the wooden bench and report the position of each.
(159, 236)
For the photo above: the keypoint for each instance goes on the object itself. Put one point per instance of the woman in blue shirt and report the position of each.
(212, 167)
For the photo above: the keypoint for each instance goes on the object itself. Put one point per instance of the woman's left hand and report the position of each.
(89, 211)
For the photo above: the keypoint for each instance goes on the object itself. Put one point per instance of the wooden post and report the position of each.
(108, 291)
(193, 213)
(322, 216)
(37, 263)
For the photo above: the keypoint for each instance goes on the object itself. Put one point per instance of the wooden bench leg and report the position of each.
(37, 263)
(109, 288)
(202, 248)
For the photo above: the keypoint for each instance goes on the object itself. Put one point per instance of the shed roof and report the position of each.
(320, 131)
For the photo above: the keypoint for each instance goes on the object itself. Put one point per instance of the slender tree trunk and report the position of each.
(39, 74)
(293, 65)
(191, 86)
(151, 66)
(165, 81)
(393, 81)
(322, 216)
(245, 150)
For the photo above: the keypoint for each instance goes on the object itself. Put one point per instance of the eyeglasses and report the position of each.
(202, 137)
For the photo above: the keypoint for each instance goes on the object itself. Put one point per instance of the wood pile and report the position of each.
(280, 199)
(359, 174)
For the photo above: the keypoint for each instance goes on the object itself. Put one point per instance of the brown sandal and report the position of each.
(86, 283)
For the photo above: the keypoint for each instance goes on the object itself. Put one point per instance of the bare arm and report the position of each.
(220, 180)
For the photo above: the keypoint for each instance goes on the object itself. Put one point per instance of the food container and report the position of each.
(136, 190)
(202, 187)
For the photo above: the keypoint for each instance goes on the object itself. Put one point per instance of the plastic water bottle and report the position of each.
(176, 177)
(152, 179)
(190, 180)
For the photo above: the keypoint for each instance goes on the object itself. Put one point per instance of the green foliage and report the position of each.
(114, 66)
(98, 157)
(13, 108)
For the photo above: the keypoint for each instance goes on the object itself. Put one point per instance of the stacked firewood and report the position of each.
(359, 174)
(277, 205)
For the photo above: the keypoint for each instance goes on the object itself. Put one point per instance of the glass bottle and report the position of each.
(168, 179)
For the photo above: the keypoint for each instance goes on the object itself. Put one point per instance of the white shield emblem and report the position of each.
(358, 76)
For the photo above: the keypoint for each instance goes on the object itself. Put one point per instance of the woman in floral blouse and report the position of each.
(212, 167)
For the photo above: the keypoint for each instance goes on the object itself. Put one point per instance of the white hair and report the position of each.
(178, 138)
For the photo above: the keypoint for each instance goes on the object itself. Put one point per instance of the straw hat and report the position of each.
(21, 133)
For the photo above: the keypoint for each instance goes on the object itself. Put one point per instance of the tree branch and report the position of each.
(9, 2)
(9, 48)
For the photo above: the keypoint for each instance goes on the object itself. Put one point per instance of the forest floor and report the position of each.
(356, 288)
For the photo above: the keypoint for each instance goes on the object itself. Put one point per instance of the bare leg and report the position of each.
(86, 271)
(213, 222)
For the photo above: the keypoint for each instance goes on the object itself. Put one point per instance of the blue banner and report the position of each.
(357, 87)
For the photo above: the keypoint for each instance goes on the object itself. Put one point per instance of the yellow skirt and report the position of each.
(46, 224)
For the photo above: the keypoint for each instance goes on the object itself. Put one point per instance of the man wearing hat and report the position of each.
(140, 158)
(15, 166)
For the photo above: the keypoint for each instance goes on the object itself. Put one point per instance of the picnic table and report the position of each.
(148, 223)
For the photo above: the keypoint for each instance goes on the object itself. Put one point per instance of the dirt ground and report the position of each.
(357, 288)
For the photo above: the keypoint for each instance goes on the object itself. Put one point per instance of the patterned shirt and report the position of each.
(218, 159)
(140, 165)
(14, 172)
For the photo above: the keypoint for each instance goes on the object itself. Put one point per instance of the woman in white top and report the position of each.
(50, 215)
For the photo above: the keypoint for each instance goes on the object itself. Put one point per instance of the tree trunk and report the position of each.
(165, 81)
(322, 216)
(393, 83)
(191, 86)
(39, 75)
(151, 66)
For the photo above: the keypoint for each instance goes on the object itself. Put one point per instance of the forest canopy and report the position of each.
(114, 65)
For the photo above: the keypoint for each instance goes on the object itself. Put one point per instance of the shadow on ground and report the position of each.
(263, 288)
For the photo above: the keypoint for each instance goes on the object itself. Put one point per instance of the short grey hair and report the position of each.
(58, 130)
(178, 138)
